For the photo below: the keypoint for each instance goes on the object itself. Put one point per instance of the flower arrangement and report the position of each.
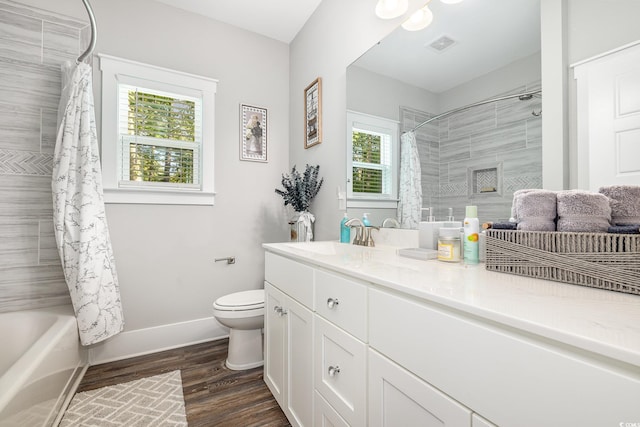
(300, 189)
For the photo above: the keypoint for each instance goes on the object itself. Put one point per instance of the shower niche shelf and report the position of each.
(485, 181)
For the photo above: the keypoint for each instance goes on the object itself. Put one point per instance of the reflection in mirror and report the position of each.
(472, 52)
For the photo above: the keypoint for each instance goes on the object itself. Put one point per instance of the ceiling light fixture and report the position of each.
(419, 20)
(389, 9)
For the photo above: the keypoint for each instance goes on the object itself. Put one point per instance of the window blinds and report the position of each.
(160, 138)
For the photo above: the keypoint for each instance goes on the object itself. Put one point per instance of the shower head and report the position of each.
(525, 97)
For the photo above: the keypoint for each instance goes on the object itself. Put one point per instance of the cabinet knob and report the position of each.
(332, 302)
(333, 370)
(281, 311)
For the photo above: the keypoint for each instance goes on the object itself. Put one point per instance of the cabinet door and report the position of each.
(399, 398)
(341, 371)
(325, 415)
(299, 395)
(274, 342)
(478, 421)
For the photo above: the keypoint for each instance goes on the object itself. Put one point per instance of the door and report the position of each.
(399, 398)
(299, 395)
(609, 119)
(274, 343)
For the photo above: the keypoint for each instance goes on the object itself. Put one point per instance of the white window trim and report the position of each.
(116, 70)
(356, 201)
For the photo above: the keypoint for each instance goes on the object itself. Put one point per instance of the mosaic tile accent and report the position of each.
(25, 163)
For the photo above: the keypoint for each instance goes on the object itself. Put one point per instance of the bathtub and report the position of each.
(41, 364)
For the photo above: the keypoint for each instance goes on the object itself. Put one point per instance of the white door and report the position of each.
(299, 396)
(609, 119)
(399, 398)
(275, 342)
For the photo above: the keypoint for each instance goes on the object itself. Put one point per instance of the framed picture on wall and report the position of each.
(313, 113)
(253, 133)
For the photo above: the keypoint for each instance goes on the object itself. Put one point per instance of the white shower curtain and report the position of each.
(410, 182)
(79, 215)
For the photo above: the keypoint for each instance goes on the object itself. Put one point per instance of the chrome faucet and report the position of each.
(363, 233)
(359, 226)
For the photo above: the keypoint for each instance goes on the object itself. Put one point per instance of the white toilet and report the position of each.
(243, 314)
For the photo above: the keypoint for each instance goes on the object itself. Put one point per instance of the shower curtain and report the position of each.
(410, 182)
(79, 217)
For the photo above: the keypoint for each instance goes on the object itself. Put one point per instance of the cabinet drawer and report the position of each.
(399, 398)
(291, 277)
(343, 302)
(513, 379)
(340, 371)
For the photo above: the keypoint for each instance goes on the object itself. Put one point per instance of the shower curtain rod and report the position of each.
(92, 42)
(475, 104)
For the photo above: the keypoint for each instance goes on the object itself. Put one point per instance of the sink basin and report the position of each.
(321, 248)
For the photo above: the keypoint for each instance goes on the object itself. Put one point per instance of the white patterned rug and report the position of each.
(153, 401)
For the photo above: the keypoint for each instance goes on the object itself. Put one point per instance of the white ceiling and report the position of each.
(489, 34)
(277, 19)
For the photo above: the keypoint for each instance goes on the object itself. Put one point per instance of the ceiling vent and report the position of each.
(442, 43)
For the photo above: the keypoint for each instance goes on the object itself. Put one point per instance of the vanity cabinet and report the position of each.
(288, 346)
(343, 351)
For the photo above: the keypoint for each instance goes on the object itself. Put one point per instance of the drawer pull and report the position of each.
(333, 370)
(332, 303)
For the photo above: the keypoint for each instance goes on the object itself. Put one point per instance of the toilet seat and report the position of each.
(241, 301)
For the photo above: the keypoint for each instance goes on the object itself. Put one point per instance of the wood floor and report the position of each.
(214, 395)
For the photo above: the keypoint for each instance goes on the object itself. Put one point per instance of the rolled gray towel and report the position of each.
(535, 210)
(583, 211)
(625, 203)
(516, 195)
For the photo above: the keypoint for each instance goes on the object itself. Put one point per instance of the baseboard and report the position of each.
(152, 340)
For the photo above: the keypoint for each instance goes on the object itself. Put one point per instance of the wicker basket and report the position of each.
(599, 260)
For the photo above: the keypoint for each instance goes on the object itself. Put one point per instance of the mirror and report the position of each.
(472, 51)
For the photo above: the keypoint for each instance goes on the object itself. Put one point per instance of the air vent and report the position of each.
(442, 43)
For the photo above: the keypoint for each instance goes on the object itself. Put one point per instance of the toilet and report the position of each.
(243, 314)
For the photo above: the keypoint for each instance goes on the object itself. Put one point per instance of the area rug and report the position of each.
(153, 401)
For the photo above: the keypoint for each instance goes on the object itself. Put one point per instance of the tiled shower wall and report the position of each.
(33, 45)
(504, 135)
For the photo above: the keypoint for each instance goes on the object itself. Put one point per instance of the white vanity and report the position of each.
(362, 337)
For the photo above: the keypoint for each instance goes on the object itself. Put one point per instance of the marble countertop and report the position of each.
(600, 321)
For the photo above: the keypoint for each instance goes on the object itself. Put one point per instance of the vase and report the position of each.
(301, 227)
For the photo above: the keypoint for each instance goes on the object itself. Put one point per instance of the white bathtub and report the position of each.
(41, 363)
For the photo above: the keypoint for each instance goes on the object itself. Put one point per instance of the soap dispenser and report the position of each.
(345, 231)
(365, 219)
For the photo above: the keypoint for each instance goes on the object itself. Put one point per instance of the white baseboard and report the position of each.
(152, 340)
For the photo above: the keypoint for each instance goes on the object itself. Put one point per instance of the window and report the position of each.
(372, 161)
(157, 134)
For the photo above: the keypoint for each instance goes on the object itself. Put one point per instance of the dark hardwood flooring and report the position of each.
(214, 395)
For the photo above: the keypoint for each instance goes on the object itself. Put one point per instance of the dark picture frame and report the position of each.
(313, 113)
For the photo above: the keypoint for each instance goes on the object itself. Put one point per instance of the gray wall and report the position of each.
(164, 253)
(33, 44)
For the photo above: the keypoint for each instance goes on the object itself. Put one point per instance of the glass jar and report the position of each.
(449, 244)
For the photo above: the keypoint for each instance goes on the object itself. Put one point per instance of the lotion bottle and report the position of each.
(471, 235)
(345, 231)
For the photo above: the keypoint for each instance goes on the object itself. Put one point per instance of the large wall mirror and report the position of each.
(473, 51)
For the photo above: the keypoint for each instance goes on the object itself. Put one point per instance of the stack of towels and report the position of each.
(614, 209)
